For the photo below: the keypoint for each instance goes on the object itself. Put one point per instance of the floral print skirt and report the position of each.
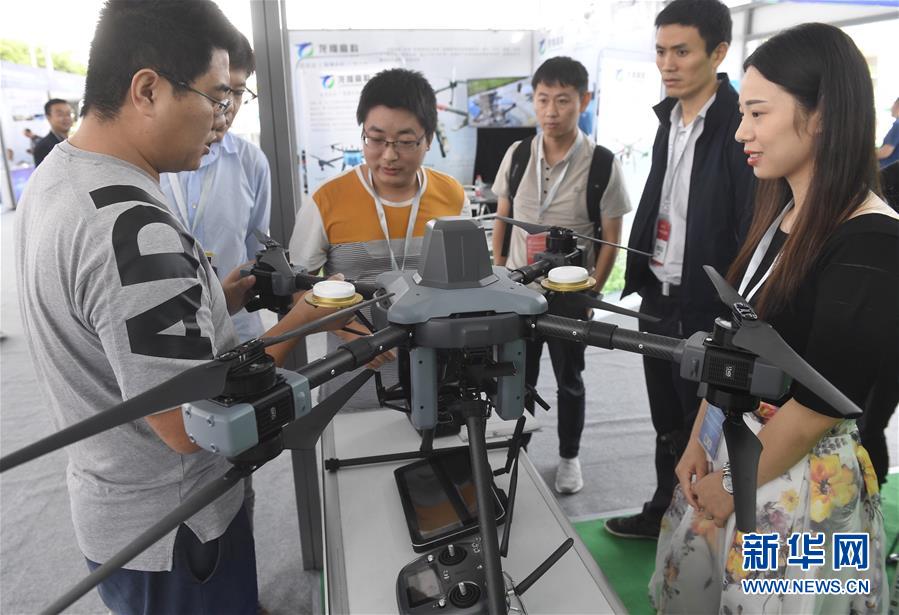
(699, 567)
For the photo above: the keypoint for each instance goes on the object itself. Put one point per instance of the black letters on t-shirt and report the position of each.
(135, 268)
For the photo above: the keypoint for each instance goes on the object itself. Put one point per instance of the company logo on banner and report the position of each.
(553, 43)
(308, 49)
(330, 81)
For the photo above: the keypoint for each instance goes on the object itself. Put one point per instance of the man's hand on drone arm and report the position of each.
(300, 314)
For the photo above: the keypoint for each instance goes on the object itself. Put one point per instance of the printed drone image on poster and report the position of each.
(501, 102)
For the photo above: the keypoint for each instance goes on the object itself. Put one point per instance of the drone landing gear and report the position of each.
(475, 413)
(744, 450)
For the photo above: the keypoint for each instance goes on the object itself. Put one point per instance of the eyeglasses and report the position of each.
(219, 106)
(401, 146)
(245, 95)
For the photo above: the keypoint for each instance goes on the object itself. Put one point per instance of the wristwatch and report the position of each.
(727, 481)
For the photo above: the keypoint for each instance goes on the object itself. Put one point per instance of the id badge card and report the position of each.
(535, 245)
(711, 430)
(663, 232)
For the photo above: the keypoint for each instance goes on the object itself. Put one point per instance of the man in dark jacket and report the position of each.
(60, 116)
(694, 211)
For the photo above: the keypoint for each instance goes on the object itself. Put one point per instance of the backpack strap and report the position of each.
(597, 182)
(520, 159)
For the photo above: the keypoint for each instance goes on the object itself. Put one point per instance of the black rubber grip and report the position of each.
(590, 332)
(353, 354)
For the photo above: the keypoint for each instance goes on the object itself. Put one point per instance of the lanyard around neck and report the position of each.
(410, 226)
(759, 255)
(181, 199)
(548, 199)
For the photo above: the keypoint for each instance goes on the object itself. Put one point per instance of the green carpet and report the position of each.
(628, 563)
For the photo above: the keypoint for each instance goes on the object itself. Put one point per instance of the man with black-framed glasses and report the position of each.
(117, 297)
(371, 218)
(228, 197)
(219, 106)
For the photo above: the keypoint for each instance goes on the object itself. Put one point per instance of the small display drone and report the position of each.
(464, 324)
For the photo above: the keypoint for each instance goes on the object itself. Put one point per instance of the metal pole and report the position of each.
(9, 196)
(278, 143)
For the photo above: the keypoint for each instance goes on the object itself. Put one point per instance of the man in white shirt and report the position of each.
(694, 211)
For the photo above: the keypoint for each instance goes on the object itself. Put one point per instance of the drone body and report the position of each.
(457, 301)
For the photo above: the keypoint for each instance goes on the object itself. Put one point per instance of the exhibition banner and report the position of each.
(330, 68)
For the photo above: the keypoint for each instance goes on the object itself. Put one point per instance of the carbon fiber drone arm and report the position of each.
(612, 337)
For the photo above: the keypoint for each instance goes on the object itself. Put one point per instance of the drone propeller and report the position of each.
(532, 229)
(302, 433)
(200, 382)
(264, 239)
(594, 302)
(743, 446)
(316, 325)
(762, 339)
(171, 521)
(279, 263)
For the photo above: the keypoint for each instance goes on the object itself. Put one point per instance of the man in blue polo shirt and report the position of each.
(229, 197)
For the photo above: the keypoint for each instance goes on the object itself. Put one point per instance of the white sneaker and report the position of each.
(568, 476)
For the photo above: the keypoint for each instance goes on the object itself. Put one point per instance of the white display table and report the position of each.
(367, 543)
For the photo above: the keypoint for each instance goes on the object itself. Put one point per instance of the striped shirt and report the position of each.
(340, 232)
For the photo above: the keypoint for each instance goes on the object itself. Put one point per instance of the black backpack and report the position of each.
(597, 182)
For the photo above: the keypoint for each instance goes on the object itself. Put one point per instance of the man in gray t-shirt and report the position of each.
(117, 298)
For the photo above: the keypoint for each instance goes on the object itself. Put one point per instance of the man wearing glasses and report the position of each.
(117, 297)
(229, 197)
(371, 218)
(60, 115)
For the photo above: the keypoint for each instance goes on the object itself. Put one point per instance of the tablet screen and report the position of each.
(439, 495)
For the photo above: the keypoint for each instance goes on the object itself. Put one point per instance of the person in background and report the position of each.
(60, 115)
(33, 140)
(553, 190)
(228, 198)
(888, 152)
(821, 265)
(371, 218)
(695, 209)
